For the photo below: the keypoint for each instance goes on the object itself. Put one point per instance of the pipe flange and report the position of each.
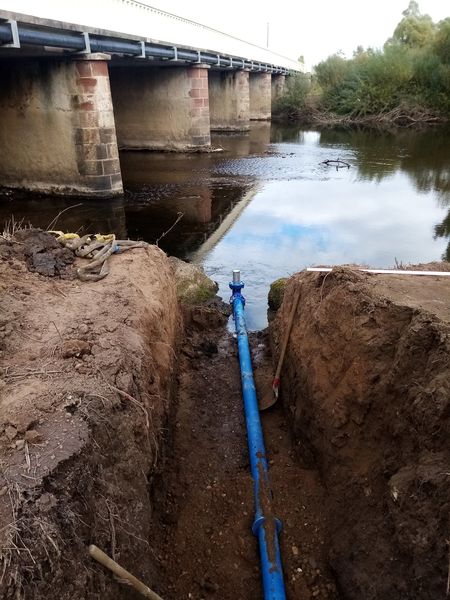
(259, 521)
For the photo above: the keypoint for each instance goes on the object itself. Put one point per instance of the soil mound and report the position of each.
(86, 385)
(367, 381)
(40, 251)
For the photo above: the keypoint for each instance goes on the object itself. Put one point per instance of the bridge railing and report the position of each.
(141, 20)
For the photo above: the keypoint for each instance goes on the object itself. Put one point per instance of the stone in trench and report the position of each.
(193, 286)
(75, 348)
(33, 436)
(10, 432)
(276, 293)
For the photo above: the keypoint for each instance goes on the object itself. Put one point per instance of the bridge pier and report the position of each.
(229, 100)
(161, 108)
(260, 96)
(278, 84)
(57, 132)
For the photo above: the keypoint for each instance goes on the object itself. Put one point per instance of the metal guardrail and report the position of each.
(13, 34)
(170, 15)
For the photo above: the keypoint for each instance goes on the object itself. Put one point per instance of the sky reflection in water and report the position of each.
(307, 215)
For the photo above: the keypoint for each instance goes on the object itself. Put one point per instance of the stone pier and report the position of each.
(161, 108)
(57, 131)
(229, 100)
(260, 96)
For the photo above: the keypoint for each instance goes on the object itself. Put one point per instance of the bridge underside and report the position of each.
(62, 119)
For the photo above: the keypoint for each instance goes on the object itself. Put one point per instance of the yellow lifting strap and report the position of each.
(100, 237)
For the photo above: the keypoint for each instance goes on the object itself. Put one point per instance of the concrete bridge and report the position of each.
(133, 77)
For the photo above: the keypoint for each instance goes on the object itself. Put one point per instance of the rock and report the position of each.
(209, 585)
(295, 550)
(33, 436)
(193, 286)
(75, 348)
(46, 502)
(43, 253)
(20, 444)
(209, 348)
(104, 343)
(10, 432)
(276, 293)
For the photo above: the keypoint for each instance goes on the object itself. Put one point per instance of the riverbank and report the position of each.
(121, 425)
(399, 117)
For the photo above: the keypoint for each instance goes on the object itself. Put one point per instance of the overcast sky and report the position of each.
(313, 28)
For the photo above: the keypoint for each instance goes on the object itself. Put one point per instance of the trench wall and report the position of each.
(99, 420)
(367, 382)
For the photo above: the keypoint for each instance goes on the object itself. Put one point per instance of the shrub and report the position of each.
(294, 96)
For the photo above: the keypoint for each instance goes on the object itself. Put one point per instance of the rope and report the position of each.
(97, 248)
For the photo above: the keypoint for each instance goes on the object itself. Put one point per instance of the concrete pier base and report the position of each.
(57, 132)
(278, 85)
(161, 108)
(260, 96)
(229, 100)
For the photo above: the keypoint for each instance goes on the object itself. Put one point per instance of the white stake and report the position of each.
(385, 271)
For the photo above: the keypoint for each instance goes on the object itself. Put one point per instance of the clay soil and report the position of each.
(121, 425)
(122, 429)
(367, 381)
(86, 383)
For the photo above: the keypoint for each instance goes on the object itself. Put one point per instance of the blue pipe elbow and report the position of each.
(265, 526)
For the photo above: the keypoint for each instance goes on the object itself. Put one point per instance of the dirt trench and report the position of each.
(121, 424)
(205, 498)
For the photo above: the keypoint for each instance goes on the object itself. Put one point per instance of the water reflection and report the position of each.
(267, 205)
(81, 216)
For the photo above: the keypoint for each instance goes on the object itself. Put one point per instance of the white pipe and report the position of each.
(385, 271)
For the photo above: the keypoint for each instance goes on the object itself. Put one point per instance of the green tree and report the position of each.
(294, 96)
(414, 30)
(441, 43)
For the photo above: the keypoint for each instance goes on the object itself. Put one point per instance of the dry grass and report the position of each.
(11, 227)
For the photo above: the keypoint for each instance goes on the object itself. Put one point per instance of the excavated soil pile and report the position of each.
(367, 380)
(86, 383)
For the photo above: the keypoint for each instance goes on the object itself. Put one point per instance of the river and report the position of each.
(268, 205)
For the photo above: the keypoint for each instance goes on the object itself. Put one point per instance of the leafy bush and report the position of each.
(413, 70)
(294, 96)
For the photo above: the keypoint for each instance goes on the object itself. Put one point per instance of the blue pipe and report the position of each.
(265, 526)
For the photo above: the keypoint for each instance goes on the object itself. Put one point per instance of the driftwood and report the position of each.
(338, 163)
(401, 116)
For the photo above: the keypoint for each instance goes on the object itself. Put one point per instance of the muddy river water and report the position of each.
(268, 205)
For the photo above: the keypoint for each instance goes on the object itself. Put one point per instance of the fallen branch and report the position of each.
(338, 162)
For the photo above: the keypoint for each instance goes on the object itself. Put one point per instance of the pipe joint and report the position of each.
(259, 522)
(236, 287)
